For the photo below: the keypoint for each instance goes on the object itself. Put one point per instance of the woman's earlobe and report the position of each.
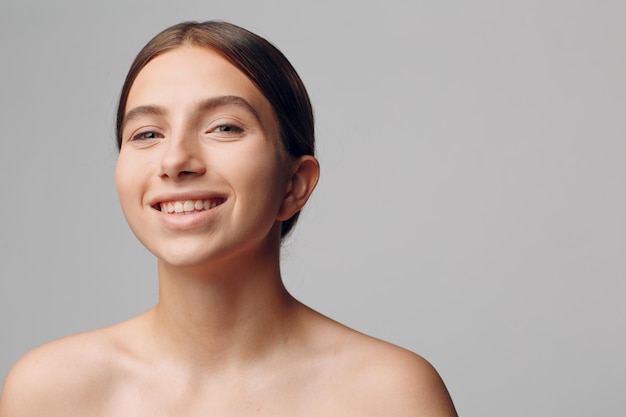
(304, 177)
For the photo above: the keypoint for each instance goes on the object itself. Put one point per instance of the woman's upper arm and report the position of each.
(406, 385)
(44, 382)
(22, 390)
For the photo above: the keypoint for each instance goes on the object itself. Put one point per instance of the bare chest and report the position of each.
(244, 398)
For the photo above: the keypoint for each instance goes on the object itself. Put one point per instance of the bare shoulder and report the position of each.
(395, 381)
(71, 373)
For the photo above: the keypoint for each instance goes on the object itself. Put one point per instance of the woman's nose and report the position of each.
(182, 157)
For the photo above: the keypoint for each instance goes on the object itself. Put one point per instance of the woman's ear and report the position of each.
(305, 171)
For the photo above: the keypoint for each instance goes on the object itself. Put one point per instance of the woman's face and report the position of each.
(201, 174)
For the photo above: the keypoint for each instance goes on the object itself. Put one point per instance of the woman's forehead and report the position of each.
(183, 78)
(192, 74)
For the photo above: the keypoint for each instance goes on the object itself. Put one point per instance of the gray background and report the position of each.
(471, 206)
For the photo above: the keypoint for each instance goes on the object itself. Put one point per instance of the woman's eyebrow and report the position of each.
(219, 101)
(139, 111)
(205, 105)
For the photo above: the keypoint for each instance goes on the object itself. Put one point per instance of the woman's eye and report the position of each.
(146, 135)
(227, 129)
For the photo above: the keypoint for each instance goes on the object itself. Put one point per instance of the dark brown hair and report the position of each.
(259, 60)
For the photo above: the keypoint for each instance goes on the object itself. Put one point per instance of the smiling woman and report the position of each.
(216, 143)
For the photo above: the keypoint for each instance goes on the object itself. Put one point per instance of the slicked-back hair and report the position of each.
(259, 60)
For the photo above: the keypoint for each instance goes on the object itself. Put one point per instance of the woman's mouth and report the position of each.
(188, 206)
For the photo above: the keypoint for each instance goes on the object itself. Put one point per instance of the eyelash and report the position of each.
(141, 135)
(230, 129)
(224, 129)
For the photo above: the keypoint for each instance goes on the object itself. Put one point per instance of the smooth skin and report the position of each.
(225, 338)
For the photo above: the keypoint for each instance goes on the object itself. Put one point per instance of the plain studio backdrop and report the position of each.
(471, 206)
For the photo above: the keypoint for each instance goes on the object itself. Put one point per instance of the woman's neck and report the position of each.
(222, 315)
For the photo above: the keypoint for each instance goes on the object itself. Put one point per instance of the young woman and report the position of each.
(216, 145)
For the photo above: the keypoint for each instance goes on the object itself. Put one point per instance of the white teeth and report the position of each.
(188, 206)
